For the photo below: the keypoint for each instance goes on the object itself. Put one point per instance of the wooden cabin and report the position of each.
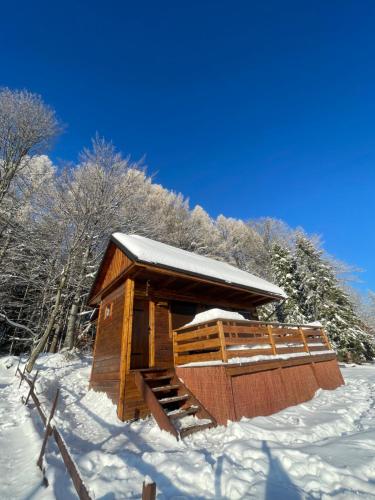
(147, 293)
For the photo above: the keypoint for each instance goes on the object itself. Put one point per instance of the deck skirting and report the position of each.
(233, 391)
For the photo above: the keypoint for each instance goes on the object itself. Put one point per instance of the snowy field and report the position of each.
(318, 450)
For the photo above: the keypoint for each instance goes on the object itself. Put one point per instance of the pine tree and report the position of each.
(321, 297)
(284, 271)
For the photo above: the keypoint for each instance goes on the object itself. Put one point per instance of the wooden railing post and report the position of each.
(272, 340)
(301, 332)
(325, 337)
(148, 491)
(48, 431)
(220, 327)
(174, 342)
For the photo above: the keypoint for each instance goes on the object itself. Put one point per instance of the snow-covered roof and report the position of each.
(145, 250)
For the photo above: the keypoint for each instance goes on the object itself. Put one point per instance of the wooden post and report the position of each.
(31, 388)
(224, 355)
(22, 374)
(175, 353)
(326, 338)
(151, 338)
(148, 491)
(18, 364)
(126, 342)
(301, 332)
(170, 323)
(48, 431)
(272, 340)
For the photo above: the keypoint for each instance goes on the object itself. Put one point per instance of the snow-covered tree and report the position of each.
(284, 271)
(323, 298)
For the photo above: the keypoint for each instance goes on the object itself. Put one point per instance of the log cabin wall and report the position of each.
(114, 264)
(163, 335)
(105, 373)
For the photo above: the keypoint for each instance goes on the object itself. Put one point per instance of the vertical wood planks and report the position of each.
(126, 343)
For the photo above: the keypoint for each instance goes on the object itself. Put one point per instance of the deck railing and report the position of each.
(220, 340)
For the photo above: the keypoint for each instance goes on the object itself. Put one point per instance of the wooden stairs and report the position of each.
(173, 406)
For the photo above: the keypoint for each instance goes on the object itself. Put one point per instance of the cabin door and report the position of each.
(140, 333)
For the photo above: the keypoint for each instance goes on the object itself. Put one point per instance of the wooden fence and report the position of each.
(220, 340)
(148, 489)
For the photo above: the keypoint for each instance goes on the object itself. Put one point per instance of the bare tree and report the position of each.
(27, 125)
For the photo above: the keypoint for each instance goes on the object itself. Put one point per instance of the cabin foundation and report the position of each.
(230, 392)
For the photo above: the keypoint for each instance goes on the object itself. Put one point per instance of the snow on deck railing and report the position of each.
(222, 339)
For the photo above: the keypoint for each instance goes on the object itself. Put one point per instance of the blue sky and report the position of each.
(249, 108)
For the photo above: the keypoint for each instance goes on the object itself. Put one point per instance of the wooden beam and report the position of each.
(151, 333)
(224, 356)
(189, 287)
(210, 282)
(127, 327)
(200, 299)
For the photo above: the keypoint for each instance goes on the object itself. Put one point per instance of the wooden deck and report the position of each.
(221, 340)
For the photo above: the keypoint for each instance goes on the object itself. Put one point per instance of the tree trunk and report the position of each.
(73, 313)
(43, 340)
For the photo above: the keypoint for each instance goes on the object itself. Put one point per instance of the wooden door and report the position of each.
(140, 335)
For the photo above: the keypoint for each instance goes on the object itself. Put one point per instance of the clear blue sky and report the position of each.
(249, 108)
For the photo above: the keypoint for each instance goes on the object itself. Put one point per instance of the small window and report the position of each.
(108, 311)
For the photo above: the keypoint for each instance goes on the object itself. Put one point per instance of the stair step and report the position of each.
(161, 377)
(165, 388)
(194, 428)
(147, 371)
(184, 413)
(173, 399)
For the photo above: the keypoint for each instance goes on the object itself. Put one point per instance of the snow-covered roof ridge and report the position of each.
(153, 252)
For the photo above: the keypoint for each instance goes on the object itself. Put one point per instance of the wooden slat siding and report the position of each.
(290, 350)
(194, 358)
(271, 339)
(163, 344)
(105, 373)
(314, 348)
(152, 333)
(248, 353)
(272, 364)
(260, 330)
(201, 332)
(200, 345)
(126, 344)
(115, 263)
(296, 339)
(251, 340)
(233, 391)
(306, 347)
(135, 406)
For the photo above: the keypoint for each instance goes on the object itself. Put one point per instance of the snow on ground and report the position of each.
(318, 450)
